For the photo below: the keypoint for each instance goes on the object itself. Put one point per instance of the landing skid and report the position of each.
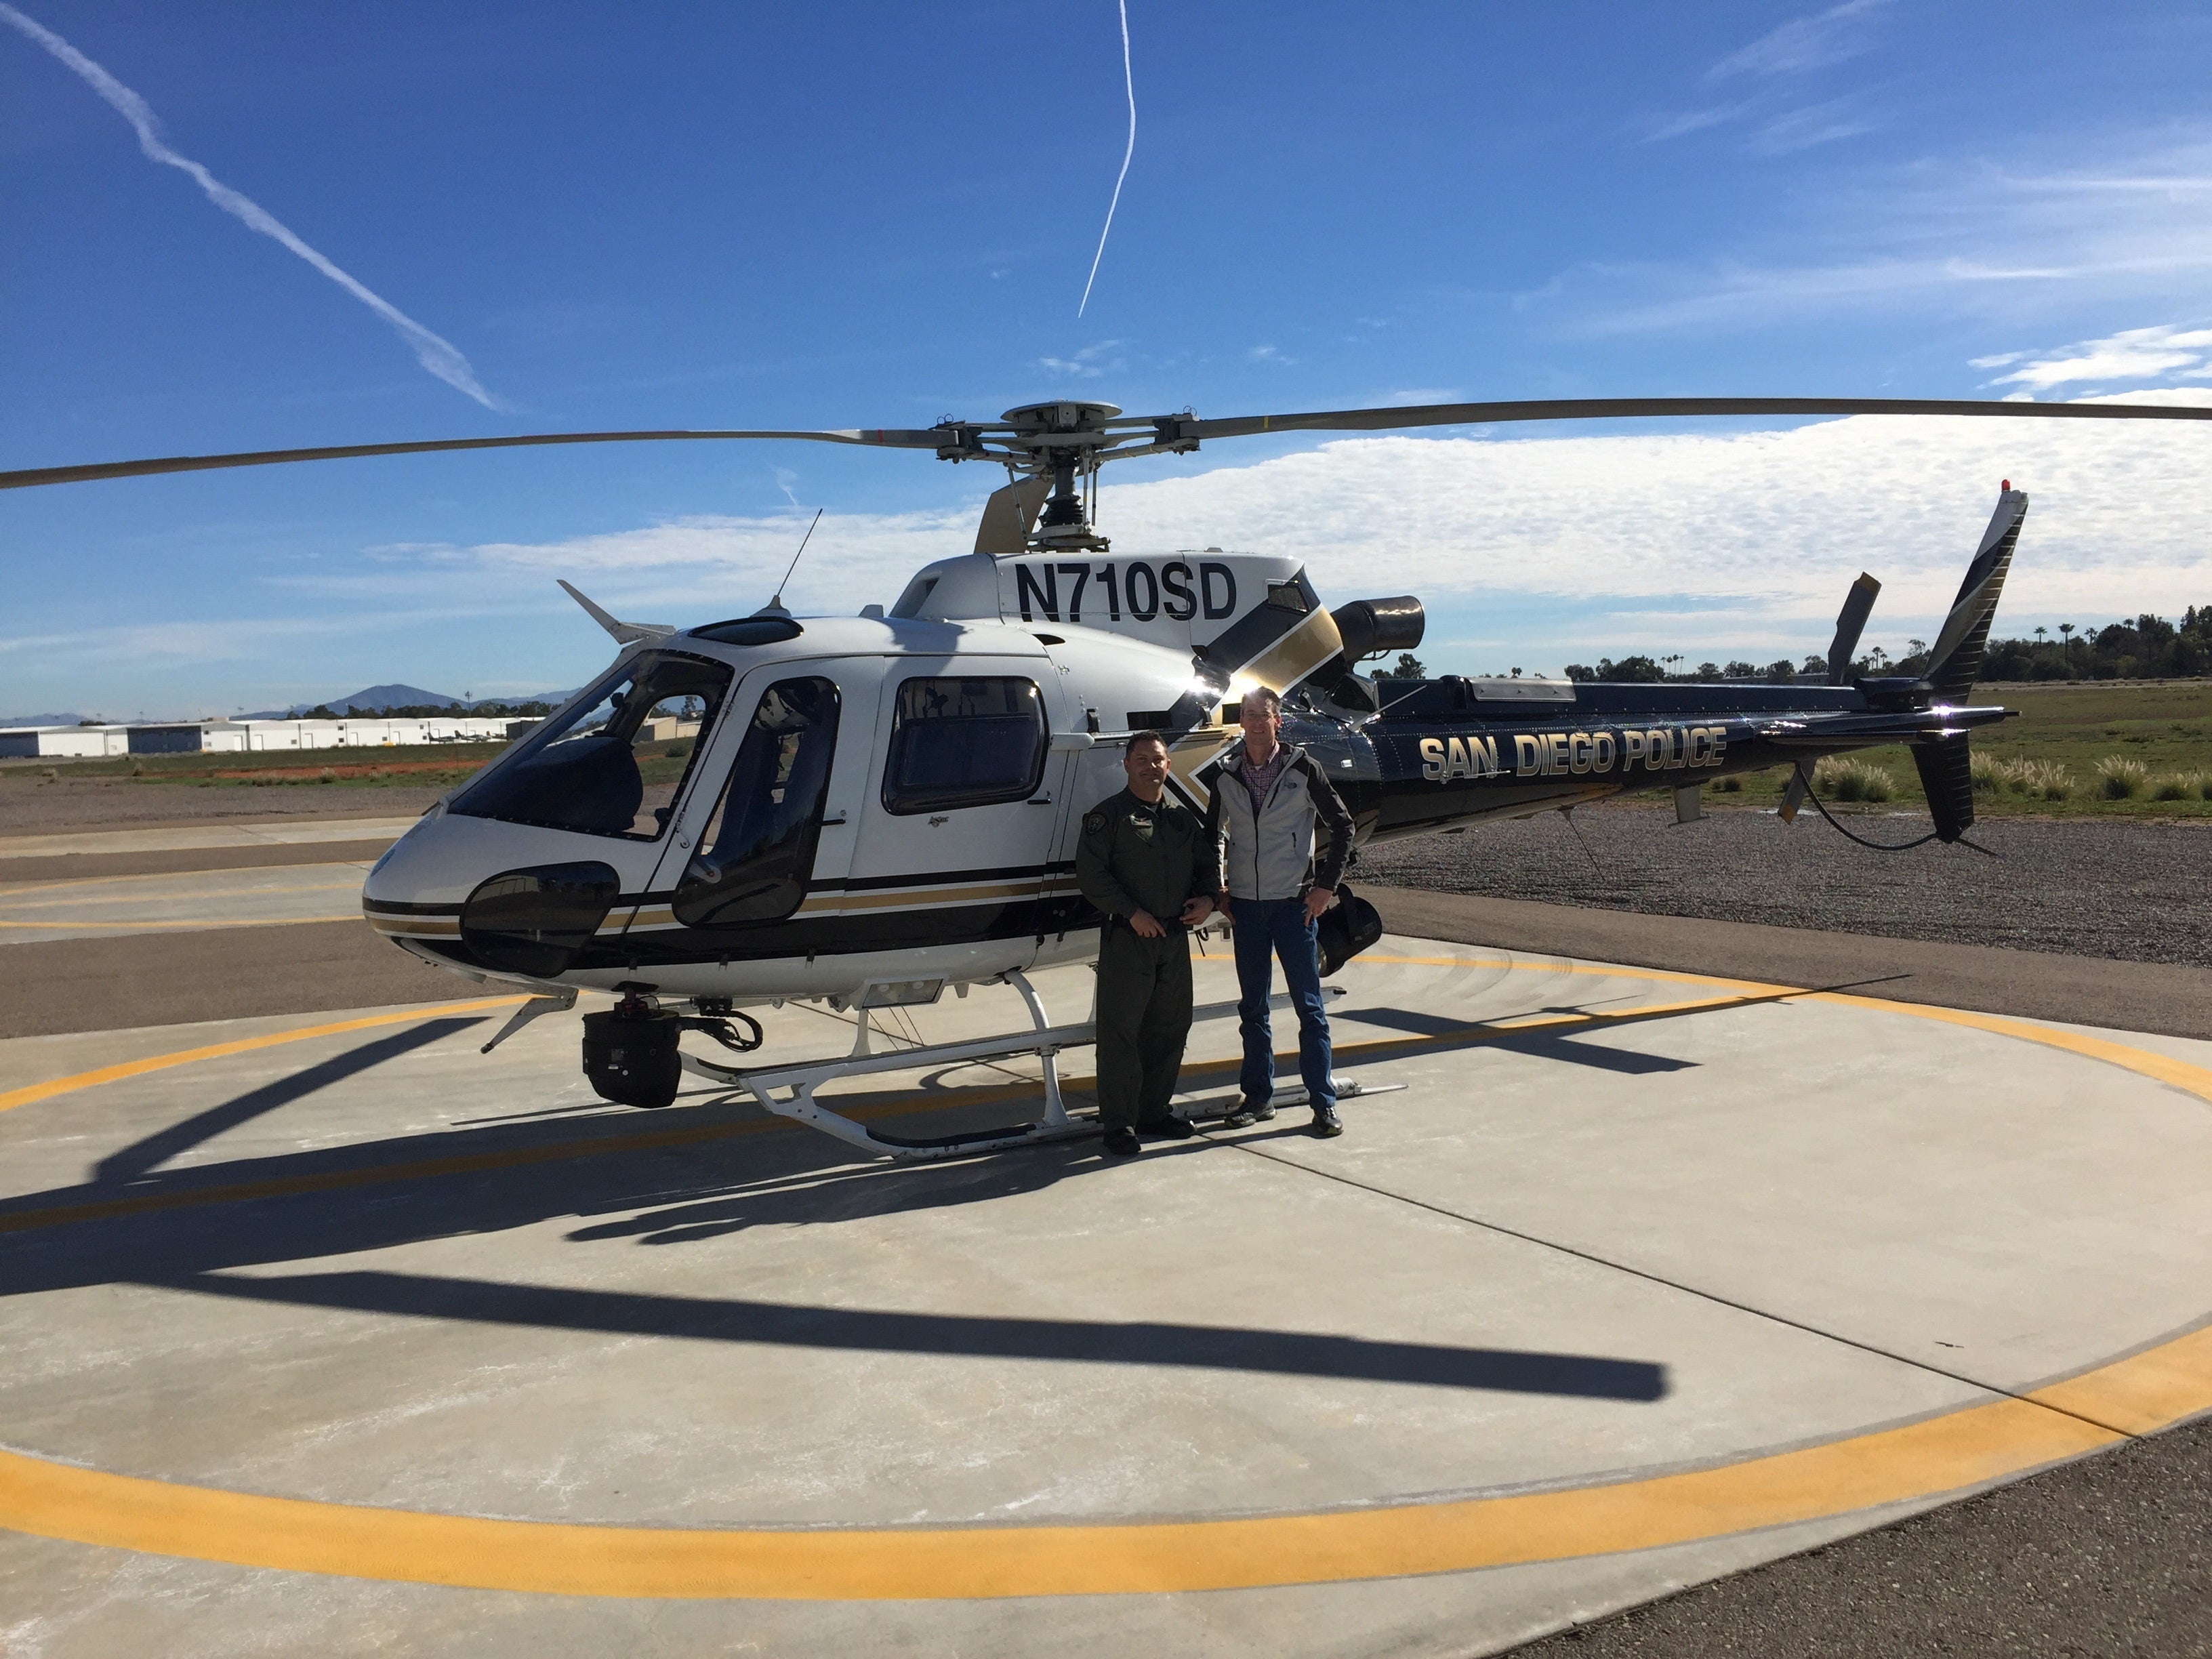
(796, 1084)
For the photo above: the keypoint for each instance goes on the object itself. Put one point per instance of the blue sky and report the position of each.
(877, 215)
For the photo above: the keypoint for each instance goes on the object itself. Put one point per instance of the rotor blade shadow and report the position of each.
(1203, 1348)
(143, 1156)
(1540, 1044)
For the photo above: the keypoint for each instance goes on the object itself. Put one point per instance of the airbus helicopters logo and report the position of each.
(1560, 754)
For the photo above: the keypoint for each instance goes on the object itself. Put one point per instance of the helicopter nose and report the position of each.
(450, 889)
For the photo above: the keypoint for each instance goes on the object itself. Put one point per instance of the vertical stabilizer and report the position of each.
(1956, 661)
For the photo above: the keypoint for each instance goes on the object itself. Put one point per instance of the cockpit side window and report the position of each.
(963, 743)
(757, 852)
(613, 762)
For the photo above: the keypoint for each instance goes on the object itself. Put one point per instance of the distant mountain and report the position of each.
(377, 698)
(40, 720)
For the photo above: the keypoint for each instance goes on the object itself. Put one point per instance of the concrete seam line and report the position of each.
(1713, 1296)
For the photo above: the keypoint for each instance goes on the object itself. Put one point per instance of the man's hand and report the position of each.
(1195, 911)
(1318, 899)
(1144, 924)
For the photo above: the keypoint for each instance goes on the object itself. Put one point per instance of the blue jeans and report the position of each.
(1267, 928)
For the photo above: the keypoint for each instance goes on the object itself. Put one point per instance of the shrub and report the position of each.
(1730, 785)
(2183, 786)
(1852, 780)
(2120, 778)
(2046, 779)
(1989, 773)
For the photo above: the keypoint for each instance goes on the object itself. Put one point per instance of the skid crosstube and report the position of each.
(798, 1083)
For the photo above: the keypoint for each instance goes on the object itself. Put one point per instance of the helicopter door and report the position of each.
(769, 832)
(964, 816)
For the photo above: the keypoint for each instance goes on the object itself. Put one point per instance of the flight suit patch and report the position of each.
(1095, 822)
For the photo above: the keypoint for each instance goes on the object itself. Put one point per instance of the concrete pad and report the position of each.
(169, 837)
(1633, 1224)
(106, 907)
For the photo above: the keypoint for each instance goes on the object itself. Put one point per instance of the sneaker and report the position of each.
(1248, 1113)
(1167, 1128)
(1326, 1123)
(1122, 1142)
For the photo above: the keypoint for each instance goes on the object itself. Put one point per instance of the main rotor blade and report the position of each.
(53, 475)
(1616, 409)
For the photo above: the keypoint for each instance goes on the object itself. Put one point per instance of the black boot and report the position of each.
(1167, 1128)
(1122, 1142)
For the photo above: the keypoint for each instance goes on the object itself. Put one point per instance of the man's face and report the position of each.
(1262, 722)
(1146, 763)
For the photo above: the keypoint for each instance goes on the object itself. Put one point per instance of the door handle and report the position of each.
(840, 818)
(1040, 800)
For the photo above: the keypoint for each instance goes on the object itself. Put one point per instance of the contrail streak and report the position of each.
(1129, 81)
(440, 357)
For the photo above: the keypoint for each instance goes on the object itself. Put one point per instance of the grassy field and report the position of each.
(2064, 732)
(2164, 726)
(433, 766)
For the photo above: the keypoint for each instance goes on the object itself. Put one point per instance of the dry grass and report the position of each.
(2120, 777)
(1845, 778)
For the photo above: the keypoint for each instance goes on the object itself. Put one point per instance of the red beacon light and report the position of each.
(2004, 483)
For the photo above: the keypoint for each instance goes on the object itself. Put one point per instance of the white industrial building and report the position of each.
(246, 737)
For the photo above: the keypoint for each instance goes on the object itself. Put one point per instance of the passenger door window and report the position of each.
(961, 742)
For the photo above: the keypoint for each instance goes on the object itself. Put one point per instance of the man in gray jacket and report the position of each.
(1266, 799)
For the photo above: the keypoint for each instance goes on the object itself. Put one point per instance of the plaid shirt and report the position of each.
(1261, 779)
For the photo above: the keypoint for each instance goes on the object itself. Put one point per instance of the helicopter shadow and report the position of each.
(705, 1171)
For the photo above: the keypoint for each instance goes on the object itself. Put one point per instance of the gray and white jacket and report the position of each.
(1269, 855)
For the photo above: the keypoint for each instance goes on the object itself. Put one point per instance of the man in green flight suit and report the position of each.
(1145, 861)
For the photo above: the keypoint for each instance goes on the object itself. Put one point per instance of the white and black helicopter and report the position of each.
(877, 807)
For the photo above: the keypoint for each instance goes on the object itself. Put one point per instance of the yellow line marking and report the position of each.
(2179, 1073)
(9, 889)
(17, 900)
(1947, 1454)
(147, 927)
(61, 1085)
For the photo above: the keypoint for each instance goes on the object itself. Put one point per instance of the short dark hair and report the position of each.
(1147, 735)
(1266, 694)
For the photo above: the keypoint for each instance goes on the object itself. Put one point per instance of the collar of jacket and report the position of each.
(1234, 761)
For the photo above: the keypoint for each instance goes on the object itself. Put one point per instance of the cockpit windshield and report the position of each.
(613, 763)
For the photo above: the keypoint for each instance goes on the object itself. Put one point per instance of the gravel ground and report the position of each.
(2105, 1556)
(2141, 892)
(30, 807)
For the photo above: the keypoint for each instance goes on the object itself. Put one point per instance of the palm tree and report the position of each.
(2066, 644)
(2041, 630)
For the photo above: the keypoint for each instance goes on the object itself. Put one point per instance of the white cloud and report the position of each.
(1088, 363)
(1963, 236)
(2135, 354)
(1806, 43)
(1737, 543)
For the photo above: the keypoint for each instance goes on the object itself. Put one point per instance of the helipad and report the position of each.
(328, 1332)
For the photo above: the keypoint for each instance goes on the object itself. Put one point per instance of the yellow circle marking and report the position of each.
(62, 1085)
(1915, 1462)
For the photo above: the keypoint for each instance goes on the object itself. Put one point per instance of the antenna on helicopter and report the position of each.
(774, 606)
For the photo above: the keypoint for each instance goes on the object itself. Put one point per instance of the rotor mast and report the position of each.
(1066, 441)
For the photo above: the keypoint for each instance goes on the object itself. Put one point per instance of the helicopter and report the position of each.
(877, 808)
